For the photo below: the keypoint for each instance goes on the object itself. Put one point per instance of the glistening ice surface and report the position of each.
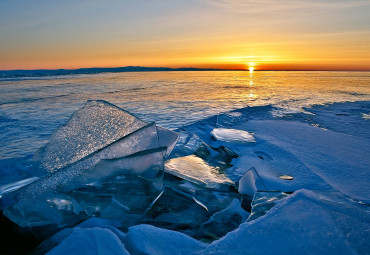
(31, 108)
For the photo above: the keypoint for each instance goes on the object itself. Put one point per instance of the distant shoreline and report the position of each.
(96, 70)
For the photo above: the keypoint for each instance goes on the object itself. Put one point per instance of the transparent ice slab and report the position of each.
(195, 169)
(93, 127)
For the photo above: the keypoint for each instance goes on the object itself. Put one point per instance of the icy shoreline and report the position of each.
(323, 174)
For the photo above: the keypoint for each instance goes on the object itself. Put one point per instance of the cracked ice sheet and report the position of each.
(339, 159)
(301, 224)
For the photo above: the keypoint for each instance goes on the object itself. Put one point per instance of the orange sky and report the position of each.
(231, 34)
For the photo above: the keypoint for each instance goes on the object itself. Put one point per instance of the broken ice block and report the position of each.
(142, 139)
(93, 127)
(232, 135)
(191, 144)
(264, 201)
(138, 179)
(195, 169)
(68, 196)
(250, 183)
(121, 174)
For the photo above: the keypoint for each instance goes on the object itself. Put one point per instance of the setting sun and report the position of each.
(251, 69)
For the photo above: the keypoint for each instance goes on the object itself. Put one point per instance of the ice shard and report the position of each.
(250, 183)
(167, 138)
(191, 144)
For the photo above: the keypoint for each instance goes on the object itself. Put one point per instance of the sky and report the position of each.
(229, 34)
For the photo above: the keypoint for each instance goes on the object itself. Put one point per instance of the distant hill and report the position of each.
(45, 72)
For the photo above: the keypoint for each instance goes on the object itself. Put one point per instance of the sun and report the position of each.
(251, 67)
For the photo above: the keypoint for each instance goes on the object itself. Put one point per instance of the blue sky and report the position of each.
(208, 33)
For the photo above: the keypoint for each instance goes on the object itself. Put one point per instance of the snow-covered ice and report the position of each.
(301, 224)
(146, 239)
(95, 241)
(341, 160)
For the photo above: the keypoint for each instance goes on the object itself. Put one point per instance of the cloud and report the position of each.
(266, 6)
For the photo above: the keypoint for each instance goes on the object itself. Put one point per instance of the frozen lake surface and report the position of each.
(32, 108)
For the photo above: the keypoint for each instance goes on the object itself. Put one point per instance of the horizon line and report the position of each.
(158, 69)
